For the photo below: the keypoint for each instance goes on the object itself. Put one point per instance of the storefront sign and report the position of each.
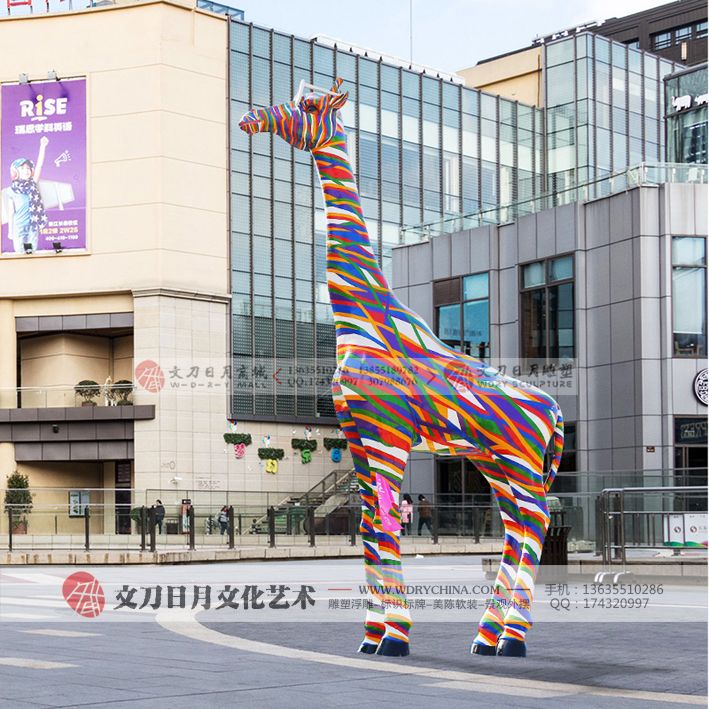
(685, 530)
(700, 387)
(682, 103)
(691, 431)
(43, 166)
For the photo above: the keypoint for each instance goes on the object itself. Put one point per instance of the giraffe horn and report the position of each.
(336, 85)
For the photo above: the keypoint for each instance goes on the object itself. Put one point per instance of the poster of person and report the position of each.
(43, 166)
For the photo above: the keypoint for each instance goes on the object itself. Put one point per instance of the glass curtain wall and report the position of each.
(421, 148)
(604, 104)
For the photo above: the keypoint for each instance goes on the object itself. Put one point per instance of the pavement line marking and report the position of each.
(497, 688)
(30, 601)
(34, 664)
(185, 624)
(35, 577)
(60, 633)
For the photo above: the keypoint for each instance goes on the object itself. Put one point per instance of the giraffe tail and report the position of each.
(558, 450)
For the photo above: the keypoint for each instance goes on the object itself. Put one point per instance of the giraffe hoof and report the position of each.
(368, 648)
(480, 649)
(389, 647)
(511, 647)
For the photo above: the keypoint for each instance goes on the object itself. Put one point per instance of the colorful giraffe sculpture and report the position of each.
(398, 388)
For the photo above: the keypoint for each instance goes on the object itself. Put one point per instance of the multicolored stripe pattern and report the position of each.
(398, 388)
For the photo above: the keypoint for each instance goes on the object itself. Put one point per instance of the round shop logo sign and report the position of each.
(150, 376)
(700, 387)
(84, 594)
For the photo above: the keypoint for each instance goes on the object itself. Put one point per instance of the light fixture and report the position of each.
(27, 248)
(55, 428)
(57, 246)
(24, 79)
(52, 75)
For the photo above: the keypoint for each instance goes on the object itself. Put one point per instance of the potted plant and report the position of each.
(18, 498)
(121, 390)
(88, 389)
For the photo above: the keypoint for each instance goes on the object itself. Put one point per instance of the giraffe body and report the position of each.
(398, 388)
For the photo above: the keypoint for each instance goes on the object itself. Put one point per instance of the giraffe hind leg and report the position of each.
(491, 624)
(530, 495)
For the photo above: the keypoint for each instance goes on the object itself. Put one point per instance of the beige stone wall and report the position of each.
(50, 483)
(157, 146)
(517, 76)
(51, 365)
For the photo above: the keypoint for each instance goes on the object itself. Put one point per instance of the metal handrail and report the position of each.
(613, 521)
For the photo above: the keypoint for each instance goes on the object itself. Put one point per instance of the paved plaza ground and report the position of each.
(156, 657)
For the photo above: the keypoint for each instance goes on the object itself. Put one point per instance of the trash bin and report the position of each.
(555, 551)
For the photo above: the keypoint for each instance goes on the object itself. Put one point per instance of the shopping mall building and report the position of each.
(178, 266)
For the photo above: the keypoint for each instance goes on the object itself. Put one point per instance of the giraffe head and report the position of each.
(307, 122)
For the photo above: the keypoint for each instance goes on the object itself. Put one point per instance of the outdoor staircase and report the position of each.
(337, 489)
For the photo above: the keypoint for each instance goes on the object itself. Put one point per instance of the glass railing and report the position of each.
(55, 396)
(638, 175)
(57, 518)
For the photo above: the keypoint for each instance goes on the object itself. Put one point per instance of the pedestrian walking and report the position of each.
(425, 514)
(223, 519)
(407, 510)
(159, 515)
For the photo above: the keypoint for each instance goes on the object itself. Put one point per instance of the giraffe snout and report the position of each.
(252, 123)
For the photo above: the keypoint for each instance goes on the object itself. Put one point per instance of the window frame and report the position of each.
(545, 286)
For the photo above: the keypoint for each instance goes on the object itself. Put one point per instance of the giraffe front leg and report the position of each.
(492, 622)
(374, 619)
(386, 440)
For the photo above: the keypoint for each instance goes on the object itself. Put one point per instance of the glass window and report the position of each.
(533, 274)
(701, 29)
(689, 305)
(411, 84)
(367, 72)
(470, 100)
(560, 52)
(561, 268)
(475, 286)
(548, 311)
(431, 90)
(632, 43)
(449, 324)
(534, 324)
(472, 335)
(603, 49)
(560, 84)
(683, 34)
(662, 40)
(488, 107)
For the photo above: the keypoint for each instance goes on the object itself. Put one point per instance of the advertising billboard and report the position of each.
(43, 166)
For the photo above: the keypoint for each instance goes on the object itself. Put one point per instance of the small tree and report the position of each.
(121, 390)
(18, 497)
(87, 389)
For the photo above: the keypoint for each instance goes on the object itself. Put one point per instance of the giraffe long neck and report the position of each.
(353, 275)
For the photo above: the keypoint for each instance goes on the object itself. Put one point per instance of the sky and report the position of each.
(447, 34)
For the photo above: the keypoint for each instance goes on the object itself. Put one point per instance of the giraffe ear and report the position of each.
(336, 86)
(339, 101)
